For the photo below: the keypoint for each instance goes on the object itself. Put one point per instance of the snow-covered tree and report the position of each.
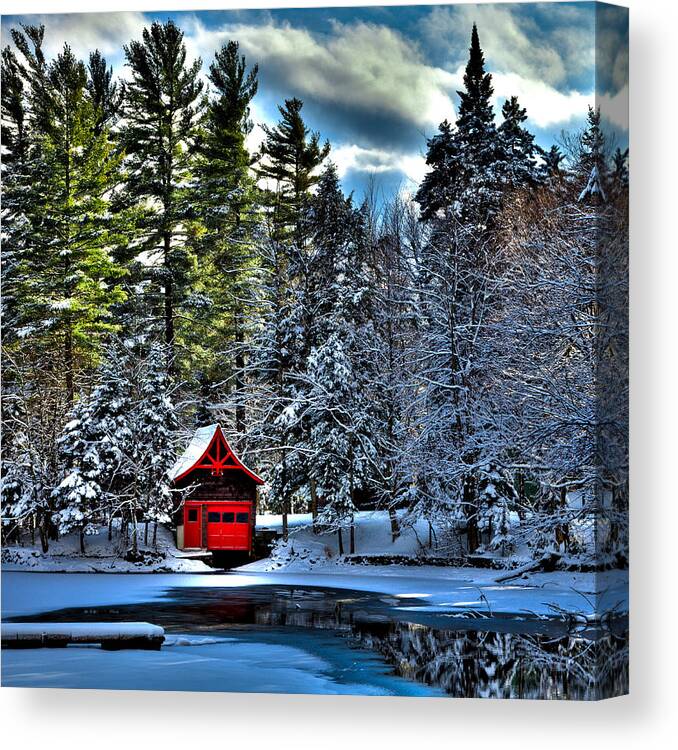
(466, 161)
(94, 447)
(154, 425)
(517, 148)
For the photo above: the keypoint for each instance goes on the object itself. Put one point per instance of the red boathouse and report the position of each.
(220, 508)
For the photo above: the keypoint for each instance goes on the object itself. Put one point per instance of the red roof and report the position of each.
(210, 450)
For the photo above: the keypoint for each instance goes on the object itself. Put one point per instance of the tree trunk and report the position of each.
(82, 540)
(68, 365)
(146, 533)
(169, 300)
(239, 367)
(314, 504)
(44, 538)
(155, 534)
(135, 532)
(470, 511)
(395, 526)
(110, 527)
(430, 535)
(340, 541)
(285, 501)
(352, 537)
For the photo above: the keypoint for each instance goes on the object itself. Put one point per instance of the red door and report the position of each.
(192, 526)
(229, 526)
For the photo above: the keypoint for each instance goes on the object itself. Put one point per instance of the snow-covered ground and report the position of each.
(308, 559)
(102, 556)
(307, 550)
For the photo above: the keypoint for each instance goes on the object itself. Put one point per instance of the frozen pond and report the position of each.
(282, 633)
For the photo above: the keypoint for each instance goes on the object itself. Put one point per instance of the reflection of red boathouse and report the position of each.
(220, 508)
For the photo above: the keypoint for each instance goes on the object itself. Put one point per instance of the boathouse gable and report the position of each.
(220, 503)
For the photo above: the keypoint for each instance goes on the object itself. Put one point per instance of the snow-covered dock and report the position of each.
(109, 635)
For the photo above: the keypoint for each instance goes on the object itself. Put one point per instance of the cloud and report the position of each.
(551, 43)
(361, 66)
(545, 105)
(354, 158)
(84, 32)
(612, 49)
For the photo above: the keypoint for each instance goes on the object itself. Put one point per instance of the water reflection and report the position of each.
(486, 658)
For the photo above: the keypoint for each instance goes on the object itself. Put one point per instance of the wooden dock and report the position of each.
(111, 636)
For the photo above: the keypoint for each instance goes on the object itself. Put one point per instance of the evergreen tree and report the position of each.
(620, 173)
(551, 161)
(161, 108)
(338, 425)
(497, 499)
(272, 350)
(466, 163)
(154, 425)
(64, 278)
(460, 199)
(289, 157)
(590, 169)
(105, 94)
(94, 447)
(517, 148)
(225, 194)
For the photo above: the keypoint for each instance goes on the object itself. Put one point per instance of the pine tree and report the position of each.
(94, 448)
(225, 195)
(338, 425)
(465, 176)
(272, 349)
(161, 108)
(275, 357)
(289, 157)
(154, 425)
(497, 499)
(64, 278)
(459, 200)
(551, 160)
(590, 169)
(105, 94)
(517, 148)
(620, 173)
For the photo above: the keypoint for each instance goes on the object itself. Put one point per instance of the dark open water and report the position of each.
(457, 656)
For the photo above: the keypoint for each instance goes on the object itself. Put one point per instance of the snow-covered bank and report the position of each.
(103, 556)
(306, 549)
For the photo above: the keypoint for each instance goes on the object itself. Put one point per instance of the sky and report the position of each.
(377, 81)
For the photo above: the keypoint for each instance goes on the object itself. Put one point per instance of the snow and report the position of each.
(443, 591)
(306, 549)
(81, 631)
(200, 442)
(196, 448)
(102, 556)
(313, 559)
